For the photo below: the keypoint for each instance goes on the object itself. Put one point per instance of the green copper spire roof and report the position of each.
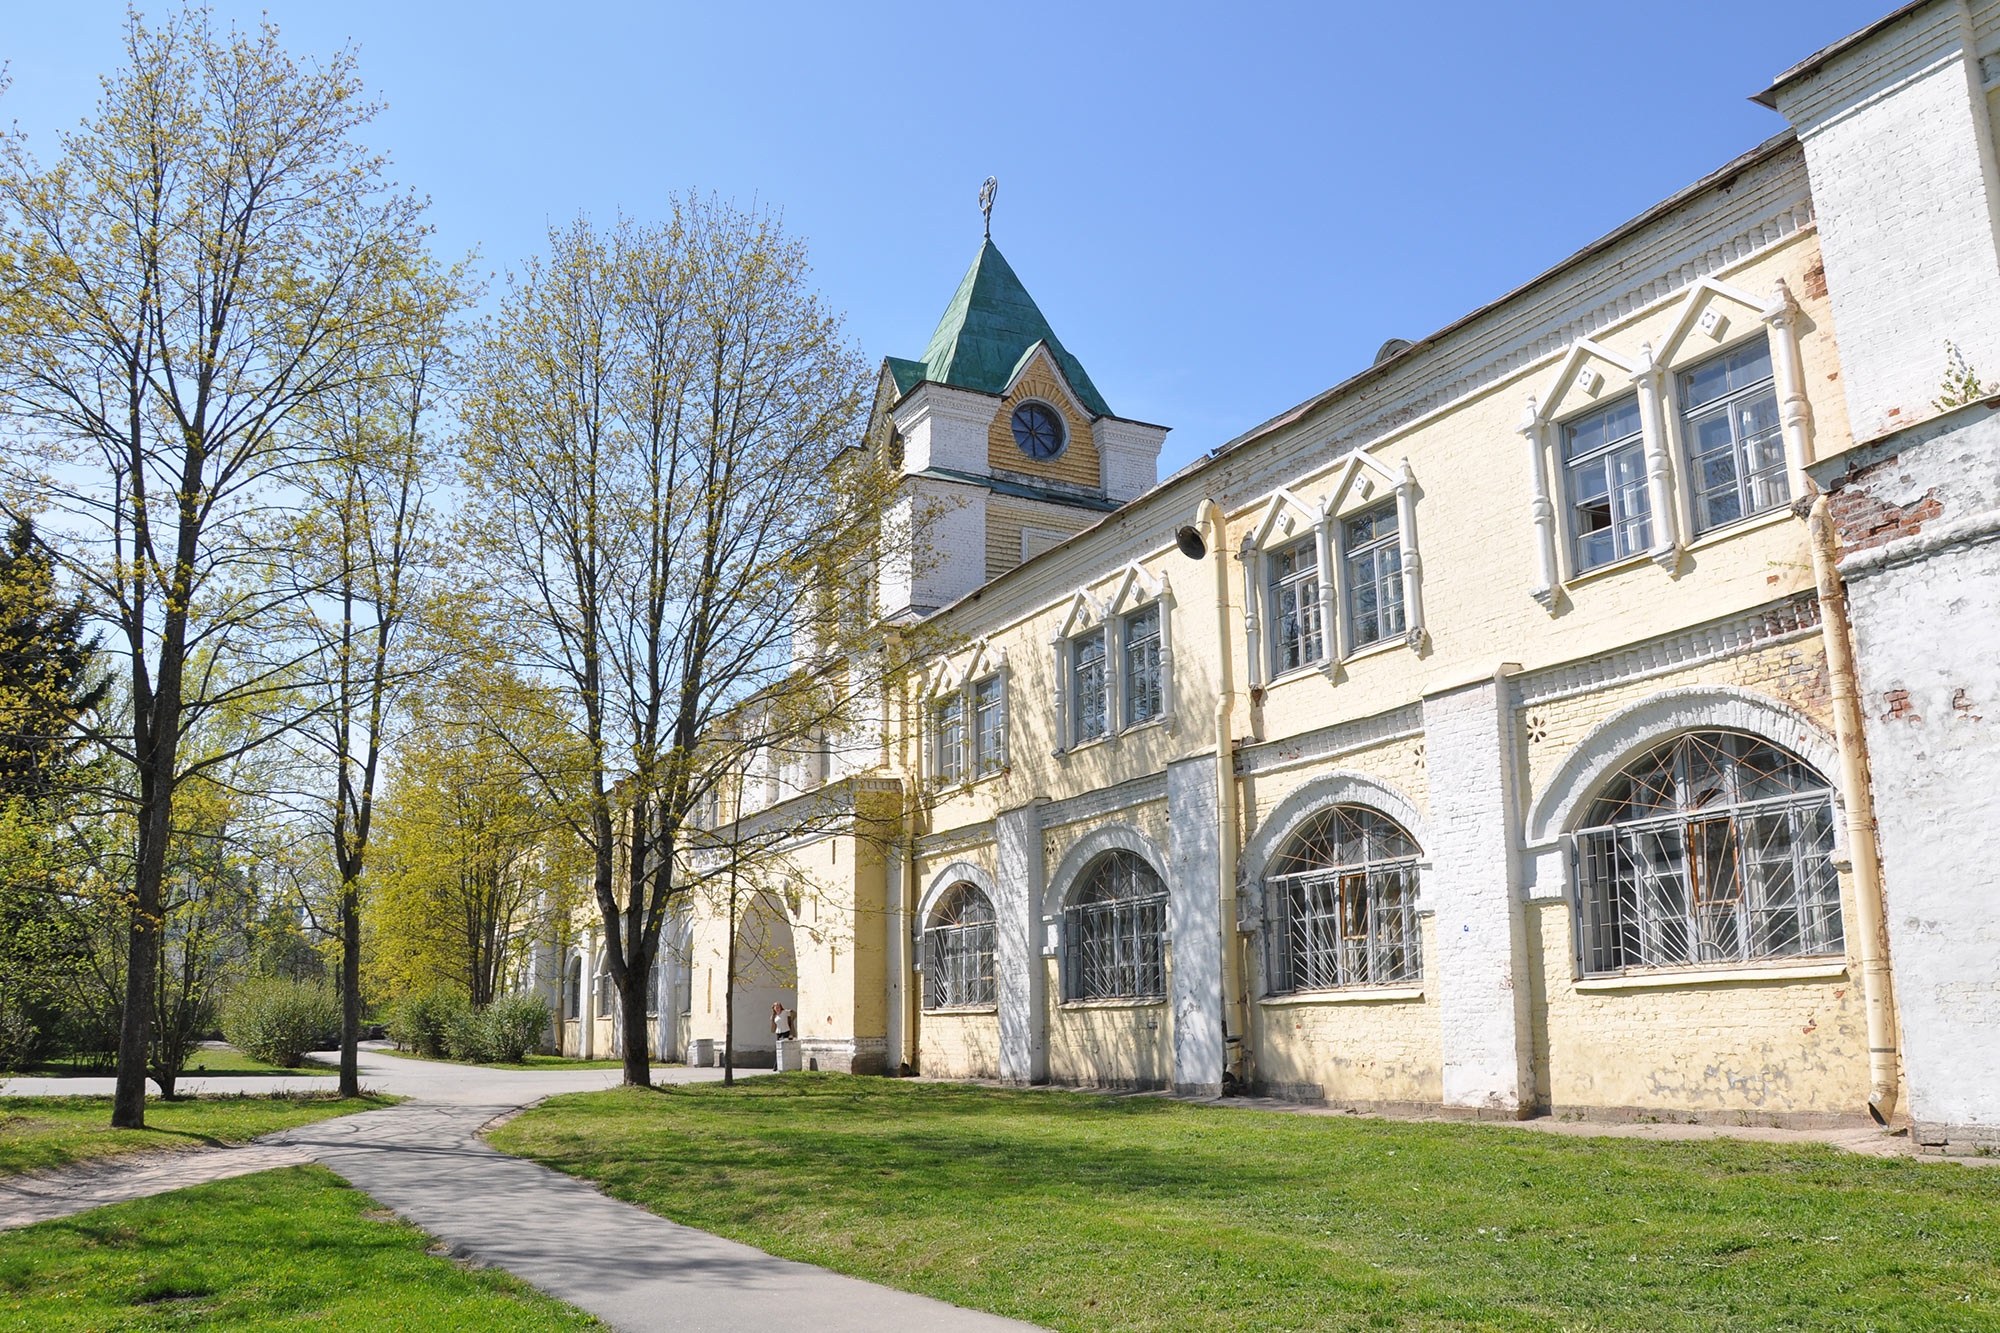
(986, 334)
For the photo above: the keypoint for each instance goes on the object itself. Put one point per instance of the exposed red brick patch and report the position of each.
(1862, 520)
(1961, 706)
(1900, 709)
(1816, 280)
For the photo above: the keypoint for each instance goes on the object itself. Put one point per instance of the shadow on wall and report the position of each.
(959, 1045)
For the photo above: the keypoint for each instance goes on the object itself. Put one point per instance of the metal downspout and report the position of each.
(907, 896)
(1857, 800)
(1234, 983)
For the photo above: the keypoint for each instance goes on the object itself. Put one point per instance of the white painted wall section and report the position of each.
(1480, 971)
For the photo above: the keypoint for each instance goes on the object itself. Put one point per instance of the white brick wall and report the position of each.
(1480, 968)
(1926, 613)
(1899, 151)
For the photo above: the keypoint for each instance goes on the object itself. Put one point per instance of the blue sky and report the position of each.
(1221, 209)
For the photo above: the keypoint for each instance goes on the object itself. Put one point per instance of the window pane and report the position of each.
(1087, 686)
(989, 740)
(1713, 847)
(1342, 893)
(1143, 699)
(1589, 434)
(1295, 627)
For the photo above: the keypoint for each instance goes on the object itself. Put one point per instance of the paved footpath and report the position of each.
(424, 1159)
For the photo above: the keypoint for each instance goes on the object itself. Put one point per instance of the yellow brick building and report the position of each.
(1469, 736)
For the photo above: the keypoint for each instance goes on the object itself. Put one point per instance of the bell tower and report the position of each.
(1006, 447)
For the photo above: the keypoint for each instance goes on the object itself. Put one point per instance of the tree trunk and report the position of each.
(350, 989)
(638, 1052)
(128, 1102)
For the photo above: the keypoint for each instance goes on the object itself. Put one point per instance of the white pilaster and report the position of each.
(1017, 950)
(1195, 925)
(1480, 972)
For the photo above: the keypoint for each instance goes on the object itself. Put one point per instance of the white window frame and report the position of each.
(1347, 585)
(1104, 692)
(965, 763)
(1642, 526)
(986, 761)
(1137, 591)
(1356, 487)
(948, 755)
(1707, 307)
(1310, 608)
(1129, 691)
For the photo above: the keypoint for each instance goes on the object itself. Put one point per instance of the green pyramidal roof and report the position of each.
(986, 334)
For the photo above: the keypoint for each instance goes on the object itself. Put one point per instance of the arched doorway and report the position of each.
(766, 973)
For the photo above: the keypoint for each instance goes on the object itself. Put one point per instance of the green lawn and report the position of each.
(1087, 1212)
(38, 1132)
(217, 1059)
(282, 1249)
(532, 1062)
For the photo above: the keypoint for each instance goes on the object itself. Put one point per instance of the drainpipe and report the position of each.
(1876, 984)
(909, 739)
(1209, 518)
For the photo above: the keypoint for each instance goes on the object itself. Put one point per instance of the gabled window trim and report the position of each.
(1137, 590)
(985, 664)
(1669, 485)
(1354, 488)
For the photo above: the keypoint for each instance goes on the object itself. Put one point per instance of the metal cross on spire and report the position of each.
(986, 193)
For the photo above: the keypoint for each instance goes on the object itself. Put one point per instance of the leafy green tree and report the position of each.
(211, 253)
(51, 686)
(660, 457)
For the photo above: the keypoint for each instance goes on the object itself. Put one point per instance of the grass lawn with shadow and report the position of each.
(209, 1058)
(41, 1132)
(295, 1248)
(532, 1062)
(1079, 1211)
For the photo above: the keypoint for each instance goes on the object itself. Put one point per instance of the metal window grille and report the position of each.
(1295, 629)
(1713, 848)
(1342, 905)
(1604, 462)
(959, 951)
(1143, 699)
(1114, 933)
(1736, 447)
(1374, 554)
(1087, 683)
(948, 758)
(989, 723)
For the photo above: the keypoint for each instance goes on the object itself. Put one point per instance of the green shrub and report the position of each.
(466, 1037)
(421, 1021)
(278, 1021)
(514, 1026)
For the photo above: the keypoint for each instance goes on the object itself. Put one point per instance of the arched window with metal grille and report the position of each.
(1341, 899)
(1114, 932)
(573, 989)
(958, 951)
(1714, 847)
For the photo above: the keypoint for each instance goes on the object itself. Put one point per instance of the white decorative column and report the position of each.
(586, 1026)
(1332, 634)
(1059, 656)
(1540, 510)
(1665, 549)
(1794, 413)
(1253, 627)
(1480, 972)
(1017, 947)
(1412, 562)
(1195, 926)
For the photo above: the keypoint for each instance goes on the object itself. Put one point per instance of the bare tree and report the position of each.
(661, 452)
(207, 257)
(368, 574)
